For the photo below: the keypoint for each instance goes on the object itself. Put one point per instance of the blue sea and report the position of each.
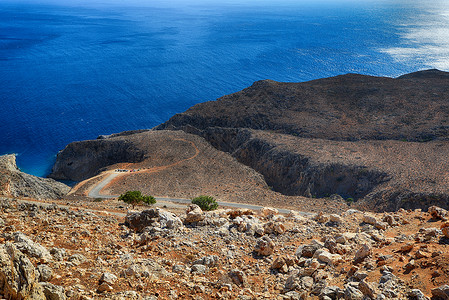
(73, 70)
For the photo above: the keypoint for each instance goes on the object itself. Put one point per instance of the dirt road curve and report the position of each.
(95, 193)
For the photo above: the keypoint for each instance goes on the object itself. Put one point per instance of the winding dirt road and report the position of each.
(95, 191)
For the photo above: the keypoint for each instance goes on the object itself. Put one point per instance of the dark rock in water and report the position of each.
(15, 183)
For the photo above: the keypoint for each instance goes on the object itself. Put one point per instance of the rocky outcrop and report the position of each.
(15, 183)
(81, 160)
(18, 278)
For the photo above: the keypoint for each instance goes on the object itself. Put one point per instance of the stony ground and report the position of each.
(56, 252)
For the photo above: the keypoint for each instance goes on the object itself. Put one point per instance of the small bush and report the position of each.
(205, 202)
(136, 197)
(149, 200)
(349, 200)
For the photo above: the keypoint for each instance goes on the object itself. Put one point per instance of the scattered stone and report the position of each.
(352, 293)
(104, 287)
(367, 289)
(199, 269)
(268, 211)
(238, 277)
(407, 247)
(369, 219)
(416, 294)
(264, 246)
(321, 218)
(77, 259)
(108, 278)
(209, 261)
(335, 218)
(363, 252)
(445, 229)
(325, 256)
(410, 265)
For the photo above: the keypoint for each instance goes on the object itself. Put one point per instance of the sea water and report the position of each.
(73, 70)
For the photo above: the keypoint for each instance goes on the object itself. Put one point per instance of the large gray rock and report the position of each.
(26, 245)
(210, 261)
(154, 217)
(194, 214)
(18, 277)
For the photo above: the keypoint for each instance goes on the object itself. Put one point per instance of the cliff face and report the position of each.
(15, 183)
(81, 160)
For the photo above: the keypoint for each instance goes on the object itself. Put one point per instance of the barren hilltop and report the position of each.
(358, 162)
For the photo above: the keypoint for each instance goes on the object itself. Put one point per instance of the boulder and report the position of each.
(438, 213)
(18, 277)
(27, 246)
(152, 217)
(441, 292)
(194, 214)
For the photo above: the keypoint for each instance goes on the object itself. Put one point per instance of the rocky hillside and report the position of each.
(365, 114)
(48, 251)
(412, 107)
(15, 183)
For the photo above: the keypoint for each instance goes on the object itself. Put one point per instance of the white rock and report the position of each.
(327, 257)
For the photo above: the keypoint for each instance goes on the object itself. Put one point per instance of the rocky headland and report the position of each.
(15, 183)
(377, 142)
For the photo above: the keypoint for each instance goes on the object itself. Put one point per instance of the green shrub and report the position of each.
(136, 197)
(349, 200)
(205, 202)
(149, 200)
